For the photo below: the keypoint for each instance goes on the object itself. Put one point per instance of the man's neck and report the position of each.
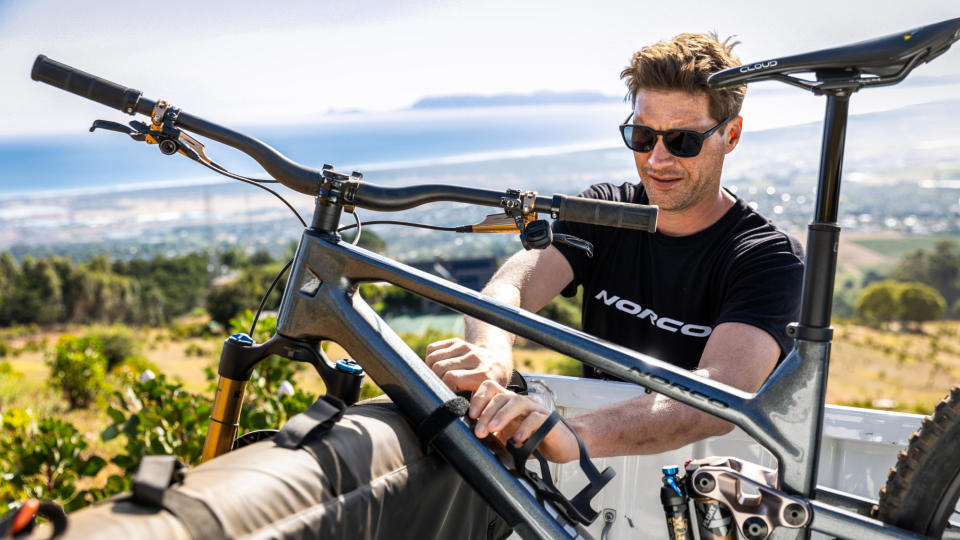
(695, 218)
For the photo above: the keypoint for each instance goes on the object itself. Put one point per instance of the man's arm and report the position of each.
(736, 354)
(529, 279)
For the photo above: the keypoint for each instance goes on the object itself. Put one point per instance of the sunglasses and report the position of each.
(679, 142)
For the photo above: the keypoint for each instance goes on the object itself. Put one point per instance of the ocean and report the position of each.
(361, 141)
(84, 162)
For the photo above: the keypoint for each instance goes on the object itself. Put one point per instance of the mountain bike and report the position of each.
(321, 302)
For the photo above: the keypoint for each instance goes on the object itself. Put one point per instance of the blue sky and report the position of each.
(250, 62)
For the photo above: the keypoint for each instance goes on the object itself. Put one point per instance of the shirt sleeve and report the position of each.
(581, 264)
(764, 288)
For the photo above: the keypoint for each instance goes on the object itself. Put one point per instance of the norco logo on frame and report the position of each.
(664, 323)
(759, 65)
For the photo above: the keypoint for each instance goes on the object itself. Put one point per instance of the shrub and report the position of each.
(44, 458)
(77, 367)
(157, 416)
(116, 343)
(878, 302)
(563, 310)
(132, 368)
(920, 303)
(565, 365)
(909, 302)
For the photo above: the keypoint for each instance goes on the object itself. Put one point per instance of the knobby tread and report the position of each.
(916, 485)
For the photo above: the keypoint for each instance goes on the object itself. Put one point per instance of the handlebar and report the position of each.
(311, 181)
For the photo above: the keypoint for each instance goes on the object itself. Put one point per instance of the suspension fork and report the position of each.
(240, 355)
(225, 418)
(235, 371)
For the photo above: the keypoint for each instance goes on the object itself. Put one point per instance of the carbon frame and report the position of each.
(321, 302)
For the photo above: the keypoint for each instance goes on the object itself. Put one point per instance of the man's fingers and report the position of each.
(441, 344)
(447, 348)
(482, 395)
(529, 426)
(458, 362)
(489, 411)
(516, 408)
(435, 350)
(464, 379)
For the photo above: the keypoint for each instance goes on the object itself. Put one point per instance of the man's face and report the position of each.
(673, 183)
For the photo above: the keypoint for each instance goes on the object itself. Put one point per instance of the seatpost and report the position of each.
(823, 234)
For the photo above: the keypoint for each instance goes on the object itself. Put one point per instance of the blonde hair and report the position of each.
(683, 64)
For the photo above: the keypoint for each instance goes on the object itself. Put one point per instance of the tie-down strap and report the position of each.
(153, 487)
(442, 416)
(326, 411)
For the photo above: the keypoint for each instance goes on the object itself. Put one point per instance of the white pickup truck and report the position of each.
(858, 447)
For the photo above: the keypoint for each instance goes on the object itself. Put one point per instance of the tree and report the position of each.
(368, 240)
(938, 268)
(878, 302)
(918, 303)
(37, 296)
(943, 270)
(9, 275)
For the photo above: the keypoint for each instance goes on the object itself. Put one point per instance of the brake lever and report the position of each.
(136, 134)
(573, 241)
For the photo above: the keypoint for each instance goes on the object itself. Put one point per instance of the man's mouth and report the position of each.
(663, 180)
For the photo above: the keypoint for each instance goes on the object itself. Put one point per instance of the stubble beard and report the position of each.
(678, 197)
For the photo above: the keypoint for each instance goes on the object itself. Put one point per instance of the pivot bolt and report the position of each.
(755, 529)
(705, 482)
(794, 514)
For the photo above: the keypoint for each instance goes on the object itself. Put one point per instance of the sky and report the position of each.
(249, 62)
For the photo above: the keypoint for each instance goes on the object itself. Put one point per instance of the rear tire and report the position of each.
(923, 488)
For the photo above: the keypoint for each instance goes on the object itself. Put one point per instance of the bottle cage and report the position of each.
(578, 508)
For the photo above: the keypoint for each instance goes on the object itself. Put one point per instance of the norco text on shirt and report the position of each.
(664, 323)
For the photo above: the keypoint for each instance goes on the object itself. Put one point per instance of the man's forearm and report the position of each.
(485, 334)
(650, 424)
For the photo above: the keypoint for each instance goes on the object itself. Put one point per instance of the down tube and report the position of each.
(333, 312)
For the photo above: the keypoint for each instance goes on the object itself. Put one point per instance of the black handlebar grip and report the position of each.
(607, 213)
(83, 84)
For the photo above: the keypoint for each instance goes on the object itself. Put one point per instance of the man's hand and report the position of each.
(464, 366)
(506, 415)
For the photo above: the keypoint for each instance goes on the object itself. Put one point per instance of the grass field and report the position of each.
(894, 247)
(869, 367)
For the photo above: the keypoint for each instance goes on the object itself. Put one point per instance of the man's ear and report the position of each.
(733, 133)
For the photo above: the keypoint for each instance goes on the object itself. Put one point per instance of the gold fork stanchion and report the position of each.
(224, 418)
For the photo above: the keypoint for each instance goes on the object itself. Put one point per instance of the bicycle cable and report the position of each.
(258, 182)
(356, 216)
(253, 182)
(403, 223)
(263, 301)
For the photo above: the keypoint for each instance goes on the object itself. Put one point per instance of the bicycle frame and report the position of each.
(785, 415)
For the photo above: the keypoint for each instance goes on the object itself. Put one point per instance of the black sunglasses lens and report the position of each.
(682, 144)
(639, 139)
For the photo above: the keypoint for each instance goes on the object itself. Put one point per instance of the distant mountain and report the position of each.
(542, 97)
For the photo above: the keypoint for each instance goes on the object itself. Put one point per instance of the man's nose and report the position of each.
(659, 154)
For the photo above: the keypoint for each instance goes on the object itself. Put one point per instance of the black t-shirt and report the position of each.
(663, 295)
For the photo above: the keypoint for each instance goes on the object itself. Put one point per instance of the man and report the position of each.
(711, 290)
